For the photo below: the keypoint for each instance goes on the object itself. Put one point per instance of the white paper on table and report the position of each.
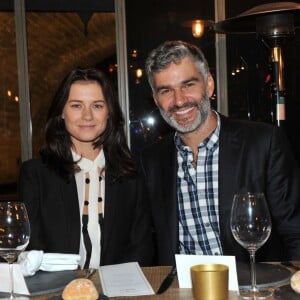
(125, 279)
(20, 286)
(184, 263)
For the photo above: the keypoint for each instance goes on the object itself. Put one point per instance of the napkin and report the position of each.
(30, 261)
(58, 262)
(20, 286)
(34, 260)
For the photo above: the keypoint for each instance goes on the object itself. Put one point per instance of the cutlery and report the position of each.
(89, 272)
(167, 281)
(290, 265)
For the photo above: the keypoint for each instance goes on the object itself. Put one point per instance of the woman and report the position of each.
(83, 194)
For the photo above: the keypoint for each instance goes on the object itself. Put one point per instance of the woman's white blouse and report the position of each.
(92, 168)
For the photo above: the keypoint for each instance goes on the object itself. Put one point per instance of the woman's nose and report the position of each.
(87, 114)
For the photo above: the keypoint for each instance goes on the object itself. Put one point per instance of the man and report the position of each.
(192, 175)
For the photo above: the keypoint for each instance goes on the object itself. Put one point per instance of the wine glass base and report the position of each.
(255, 295)
(6, 296)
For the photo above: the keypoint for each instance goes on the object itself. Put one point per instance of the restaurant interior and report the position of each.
(59, 35)
(256, 74)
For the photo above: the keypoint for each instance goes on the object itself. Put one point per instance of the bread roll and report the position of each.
(295, 282)
(80, 289)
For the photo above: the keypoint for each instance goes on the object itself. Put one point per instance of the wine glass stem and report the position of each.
(253, 271)
(11, 275)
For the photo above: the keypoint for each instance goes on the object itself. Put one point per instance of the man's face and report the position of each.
(182, 95)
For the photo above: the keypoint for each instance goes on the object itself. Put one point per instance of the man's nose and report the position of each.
(179, 96)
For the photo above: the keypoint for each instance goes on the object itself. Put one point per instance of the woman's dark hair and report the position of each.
(56, 152)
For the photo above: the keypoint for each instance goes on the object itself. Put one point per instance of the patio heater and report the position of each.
(274, 24)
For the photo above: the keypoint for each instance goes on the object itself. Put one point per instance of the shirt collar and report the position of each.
(88, 165)
(210, 142)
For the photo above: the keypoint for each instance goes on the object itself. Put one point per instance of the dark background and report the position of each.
(249, 94)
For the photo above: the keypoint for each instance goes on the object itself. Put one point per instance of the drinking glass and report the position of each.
(14, 234)
(250, 224)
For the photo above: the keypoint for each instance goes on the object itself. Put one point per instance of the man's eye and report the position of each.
(188, 85)
(164, 92)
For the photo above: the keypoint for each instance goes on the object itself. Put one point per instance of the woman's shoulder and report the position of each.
(33, 163)
(36, 167)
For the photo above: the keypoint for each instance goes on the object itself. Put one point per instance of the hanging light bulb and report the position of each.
(139, 73)
(197, 28)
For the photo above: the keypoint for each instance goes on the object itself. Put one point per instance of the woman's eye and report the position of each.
(98, 106)
(76, 105)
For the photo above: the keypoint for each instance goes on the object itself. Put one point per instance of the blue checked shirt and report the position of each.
(197, 192)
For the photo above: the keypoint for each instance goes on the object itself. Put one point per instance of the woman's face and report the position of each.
(85, 113)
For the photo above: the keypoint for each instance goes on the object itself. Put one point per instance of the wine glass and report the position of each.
(250, 224)
(14, 234)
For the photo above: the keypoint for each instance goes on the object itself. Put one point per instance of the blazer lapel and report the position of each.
(71, 212)
(110, 210)
(229, 154)
(229, 166)
(169, 182)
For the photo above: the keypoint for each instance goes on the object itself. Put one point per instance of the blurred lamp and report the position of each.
(139, 73)
(197, 28)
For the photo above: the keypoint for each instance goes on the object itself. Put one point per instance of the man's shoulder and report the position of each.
(160, 145)
(159, 158)
(246, 125)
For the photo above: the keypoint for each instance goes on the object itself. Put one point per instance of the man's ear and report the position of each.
(210, 85)
(154, 98)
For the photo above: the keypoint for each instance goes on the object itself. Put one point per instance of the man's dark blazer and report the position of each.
(252, 157)
(53, 209)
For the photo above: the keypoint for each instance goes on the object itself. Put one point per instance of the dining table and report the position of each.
(155, 276)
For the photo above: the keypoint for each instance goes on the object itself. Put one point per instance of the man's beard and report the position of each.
(203, 108)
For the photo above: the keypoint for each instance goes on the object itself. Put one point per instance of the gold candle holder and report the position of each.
(210, 281)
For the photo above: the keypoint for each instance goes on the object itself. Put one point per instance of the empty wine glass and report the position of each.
(250, 225)
(14, 234)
